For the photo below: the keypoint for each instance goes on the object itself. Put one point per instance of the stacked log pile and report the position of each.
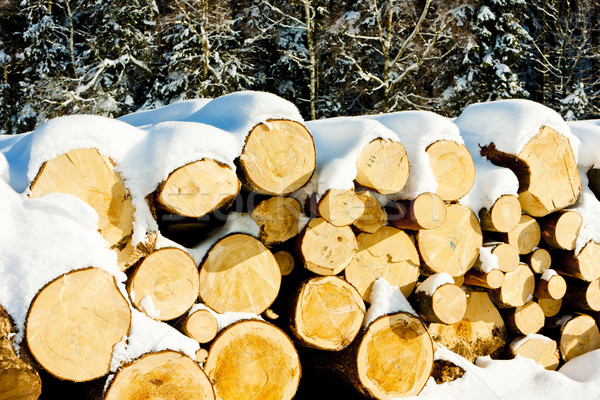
(502, 279)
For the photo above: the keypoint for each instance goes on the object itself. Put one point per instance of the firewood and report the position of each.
(481, 332)
(426, 211)
(167, 280)
(382, 166)
(453, 168)
(166, 374)
(507, 255)
(90, 176)
(253, 360)
(387, 253)
(340, 207)
(551, 307)
(285, 261)
(201, 355)
(200, 325)
(454, 246)
(492, 279)
(239, 274)
(502, 216)
(550, 286)
(327, 313)
(584, 265)
(325, 248)
(546, 169)
(560, 229)
(538, 260)
(525, 237)
(525, 320)
(277, 218)
(576, 335)
(447, 303)
(198, 188)
(516, 290)
(74, 323)
(583, 295)
(373, 216)
(538, 348)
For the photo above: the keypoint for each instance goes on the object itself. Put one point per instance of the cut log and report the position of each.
(525, 320)
(382, 166)
(373, 216)
(546, 169)
(507, 255)
(325, 248)
(446, 305)
(74, 323)
(90, 176)
(538, 348)
(277, 219)
(426, 211)
(239, 274)
(577, 335)
(550, 286)
(388, 253)
(525, 237)
(492, 279)
(340, 207)
(560, 229)
(481, 332)
(279, 157)
(198, 188)
(550, 307)
(583, 295)
(327, 313)
(253, 360)
(201, 355)
(18, 377)
(166, 281)
(162, 375)
(517, 288)
(201, 325)
(538, 260)
(453, 168)
(584, 265)
(503, 216)
(454, 246)
(285, 261)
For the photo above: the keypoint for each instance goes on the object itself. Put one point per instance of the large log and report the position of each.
(382, 165)
(502, 216)
(453, 168)
(426, 211)
(560, 229)
(162, 375)
(577, 335)
(253, 360)
(446, 303)
(538, 348)
(525, 320)
(584, 265)
(74, 323)
(277, 219)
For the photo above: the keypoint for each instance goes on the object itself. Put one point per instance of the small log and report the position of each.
(577, 335)
(453, 168)
(277, 219)
(200, 325)
(538, 348)
(507, 255)
(538, 260)
(546, 169)
(516, 290)
(550, 307)
(74, 322)
(285, 261)
(162, 375)
(525, 237)
(387, 253)
(382, 166)
(560, 229)
(340, 207)
(446, 305)
(253, 360)
(198, 188)
(201, 355)
(373, 216)
(454, 246)
(327, 313)
(583, 295)
(525, 320)
(502, 216)
(550, 286)
(584, 265)
(426, 211)
(325, 248)
(492, 279)
(239, 274)
(168, 280)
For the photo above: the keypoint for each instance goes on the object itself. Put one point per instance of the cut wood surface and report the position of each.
(560, 229)
(340, 207)
(198, 188)
(502, 216)
(90, 176)
(507, 255)
(492, 279)
(277, 219)
(538, 260)
(279, 157)
(285, 260)
(584, 265)
(168, 280)
(388, 253)
(482, 331)
(538, 348)
(525, 237)
(452, 167)
(373, 216)
(239, 274)
(253, 360)
(201, 325)
(578, 336)
(546, 169)
(517, 288)
(74, 323)
(583, 295)
(550, 287)
(382, 166)
(426, 211)
(327, 314)
(454, 246)
(525, 320)
(163, 375)
(551, 307)
(325, 248)
(446, 305)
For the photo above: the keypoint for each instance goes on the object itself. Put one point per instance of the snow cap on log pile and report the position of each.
(173, 112)
(4, 169)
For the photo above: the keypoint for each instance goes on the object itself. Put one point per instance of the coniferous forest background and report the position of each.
(113, 57)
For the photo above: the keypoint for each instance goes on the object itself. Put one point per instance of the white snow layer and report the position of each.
(225, 319)
(488, 260)
(548, 274)
(588, 133)
(174, 112)
(432, 283)
(588, 207)
(515, 344)
(386, 299)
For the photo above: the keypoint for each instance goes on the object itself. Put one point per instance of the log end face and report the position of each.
(383, 166)
(506, 213)
(429, 210)
(449, 303)
(453, 168)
